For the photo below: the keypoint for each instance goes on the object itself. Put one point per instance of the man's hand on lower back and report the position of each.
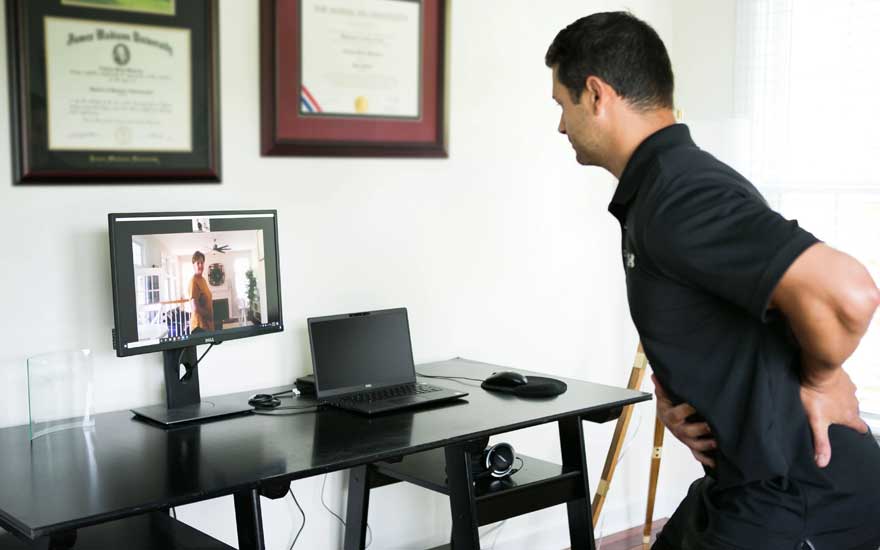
(695, 435)
(829, 397)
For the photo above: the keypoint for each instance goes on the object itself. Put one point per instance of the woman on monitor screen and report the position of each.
(202, 303)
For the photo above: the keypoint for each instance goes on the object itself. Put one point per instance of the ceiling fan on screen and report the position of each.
(219, 248)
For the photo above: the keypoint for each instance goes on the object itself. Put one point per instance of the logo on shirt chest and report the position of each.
(629, 259)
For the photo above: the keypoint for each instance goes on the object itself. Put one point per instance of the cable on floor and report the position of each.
(301, 527)
(337, 516)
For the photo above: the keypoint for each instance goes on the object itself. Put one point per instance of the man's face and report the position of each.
(199, 266)
(578, 123)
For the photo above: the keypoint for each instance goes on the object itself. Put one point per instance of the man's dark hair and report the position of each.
(198, 257)
(619, 48)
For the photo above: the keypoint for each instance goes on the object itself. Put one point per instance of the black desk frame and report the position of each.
(445, 436)
(471, 510)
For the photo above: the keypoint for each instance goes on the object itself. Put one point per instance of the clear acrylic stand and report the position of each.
(60, 392)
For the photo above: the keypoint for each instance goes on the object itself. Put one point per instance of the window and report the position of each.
(806, 92)
(152, 289)
(137, 253)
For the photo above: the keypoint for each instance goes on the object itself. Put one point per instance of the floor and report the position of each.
(630, 539)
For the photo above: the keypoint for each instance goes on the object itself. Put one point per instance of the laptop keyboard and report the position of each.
(392, 392)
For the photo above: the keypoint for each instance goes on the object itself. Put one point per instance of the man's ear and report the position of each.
(596, 93)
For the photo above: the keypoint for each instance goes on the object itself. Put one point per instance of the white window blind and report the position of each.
(808, 94)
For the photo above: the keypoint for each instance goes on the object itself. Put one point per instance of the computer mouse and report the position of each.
(507, 378)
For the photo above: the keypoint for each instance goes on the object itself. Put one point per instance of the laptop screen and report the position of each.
(359, 351)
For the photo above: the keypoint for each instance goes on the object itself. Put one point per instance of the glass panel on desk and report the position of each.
(60, 392)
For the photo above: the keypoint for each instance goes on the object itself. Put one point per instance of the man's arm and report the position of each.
(697, 436)
(829, 299)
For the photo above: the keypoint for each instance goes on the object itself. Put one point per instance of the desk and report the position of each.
(125, 467)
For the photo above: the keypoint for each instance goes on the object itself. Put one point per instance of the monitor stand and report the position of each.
(183, 401)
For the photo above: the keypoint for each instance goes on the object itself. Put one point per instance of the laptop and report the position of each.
(363, 362)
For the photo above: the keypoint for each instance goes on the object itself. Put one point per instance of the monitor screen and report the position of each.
(354, 351)
(182, 279)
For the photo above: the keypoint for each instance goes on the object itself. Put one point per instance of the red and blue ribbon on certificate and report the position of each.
(308, 102)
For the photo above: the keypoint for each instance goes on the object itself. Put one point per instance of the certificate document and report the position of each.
(117, 87)
(361, 58)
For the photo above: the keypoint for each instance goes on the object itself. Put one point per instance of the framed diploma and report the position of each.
(114, 90)
(353, 77)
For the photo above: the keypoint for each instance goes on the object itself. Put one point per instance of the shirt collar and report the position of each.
(639, 162)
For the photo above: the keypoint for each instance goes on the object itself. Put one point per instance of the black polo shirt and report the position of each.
(702, 253)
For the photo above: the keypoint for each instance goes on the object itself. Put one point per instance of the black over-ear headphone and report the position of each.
(496, 461)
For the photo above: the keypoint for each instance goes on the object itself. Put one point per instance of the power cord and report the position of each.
(268, 403)
(450, 377)
(199, 360)
(497, 533)
(303, 514)
(521, 464)
(173, 512)
(495, 529)
(337, 516)
(273, 412)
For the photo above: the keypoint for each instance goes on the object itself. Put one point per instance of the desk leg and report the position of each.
(63, 540)
(358, 508)
(571, 442)
(249, 519)
(460, 479)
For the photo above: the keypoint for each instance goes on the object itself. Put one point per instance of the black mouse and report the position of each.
(507, 378)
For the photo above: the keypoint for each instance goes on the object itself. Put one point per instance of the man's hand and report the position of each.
(830, 398)
(695, 435)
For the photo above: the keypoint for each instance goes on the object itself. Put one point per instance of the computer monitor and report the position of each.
(188, 278)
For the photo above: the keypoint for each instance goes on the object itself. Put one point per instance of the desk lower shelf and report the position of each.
(145, 532)
(537, 485)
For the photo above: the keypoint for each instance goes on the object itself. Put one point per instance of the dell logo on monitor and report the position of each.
(368, 385)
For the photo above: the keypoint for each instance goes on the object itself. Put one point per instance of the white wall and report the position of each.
(502, 253)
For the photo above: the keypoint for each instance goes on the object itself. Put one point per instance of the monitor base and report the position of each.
(203, 410)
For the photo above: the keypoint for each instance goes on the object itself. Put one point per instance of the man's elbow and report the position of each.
(860, 303)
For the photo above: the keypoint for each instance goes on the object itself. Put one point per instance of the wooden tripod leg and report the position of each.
(635, 382)
(659, 430)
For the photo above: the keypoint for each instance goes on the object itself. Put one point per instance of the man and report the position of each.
(201, 299)
(745, 317)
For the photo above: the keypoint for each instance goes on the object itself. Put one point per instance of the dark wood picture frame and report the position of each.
(34, 162)
(286, 132)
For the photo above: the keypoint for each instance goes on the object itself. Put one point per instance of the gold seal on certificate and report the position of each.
(117, 86)
(361, 58)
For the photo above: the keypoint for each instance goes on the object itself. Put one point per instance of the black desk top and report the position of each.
(126, 466)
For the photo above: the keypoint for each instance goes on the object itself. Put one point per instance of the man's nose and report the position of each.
(561, 126)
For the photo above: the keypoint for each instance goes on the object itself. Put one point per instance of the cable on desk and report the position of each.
(450, 377)
(342, 521)
(268, 403)
(173, 512)
(296, 410)
(301, 527)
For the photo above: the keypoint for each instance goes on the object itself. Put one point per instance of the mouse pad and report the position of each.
(538, 386)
